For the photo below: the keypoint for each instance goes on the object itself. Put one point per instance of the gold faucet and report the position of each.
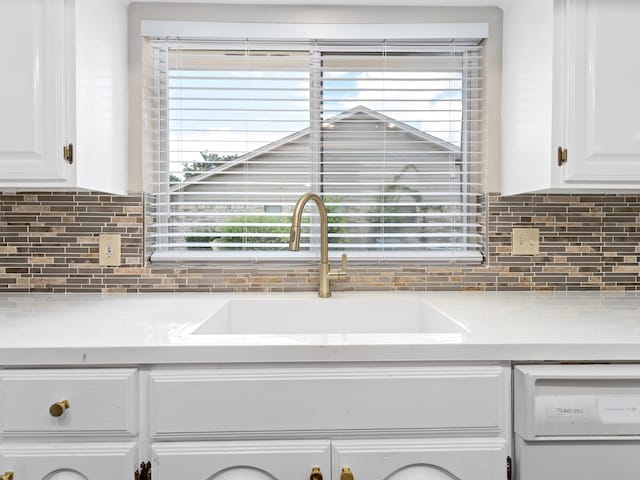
(326, 274)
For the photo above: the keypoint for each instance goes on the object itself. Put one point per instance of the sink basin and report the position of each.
(322, 316)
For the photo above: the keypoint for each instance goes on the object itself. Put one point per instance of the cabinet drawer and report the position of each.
(233, 402)
(101, 401)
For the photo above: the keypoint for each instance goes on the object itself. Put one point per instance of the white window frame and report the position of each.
(237, 31)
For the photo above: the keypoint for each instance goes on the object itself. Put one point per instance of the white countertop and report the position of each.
(134, 329)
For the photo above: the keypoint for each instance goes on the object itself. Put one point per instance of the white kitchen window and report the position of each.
(388, 131)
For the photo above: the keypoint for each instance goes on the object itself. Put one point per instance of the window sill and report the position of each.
(293, 258)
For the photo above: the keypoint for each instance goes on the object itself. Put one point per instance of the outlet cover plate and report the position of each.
(110, 250)
(525, 241)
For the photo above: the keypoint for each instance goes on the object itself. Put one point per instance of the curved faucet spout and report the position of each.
(294, 236)
(326, 275)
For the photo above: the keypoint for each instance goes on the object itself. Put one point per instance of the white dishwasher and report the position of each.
(577, 422)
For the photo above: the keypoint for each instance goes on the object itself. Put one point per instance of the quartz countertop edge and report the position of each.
(48, 329)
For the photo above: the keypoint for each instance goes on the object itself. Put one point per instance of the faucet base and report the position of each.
(324, 290)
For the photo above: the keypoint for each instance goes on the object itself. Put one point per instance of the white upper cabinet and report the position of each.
(571, 82)
(64, 82)
(602, 91)
(31, 54)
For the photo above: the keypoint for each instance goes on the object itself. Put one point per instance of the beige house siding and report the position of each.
(363, 152)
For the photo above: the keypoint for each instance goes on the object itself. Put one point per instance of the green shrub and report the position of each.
(244, 232)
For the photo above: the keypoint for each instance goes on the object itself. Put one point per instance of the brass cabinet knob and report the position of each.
(7, 476)
(346, 474)
(316, 474)
(57, 409)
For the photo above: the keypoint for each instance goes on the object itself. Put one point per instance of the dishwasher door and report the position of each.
(577, 422)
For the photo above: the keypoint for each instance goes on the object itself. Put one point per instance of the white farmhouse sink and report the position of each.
(326, 316)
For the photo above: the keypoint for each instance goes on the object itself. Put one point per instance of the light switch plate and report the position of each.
(110, 250)
(525, 241)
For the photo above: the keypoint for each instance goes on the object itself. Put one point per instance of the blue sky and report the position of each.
(234, 112)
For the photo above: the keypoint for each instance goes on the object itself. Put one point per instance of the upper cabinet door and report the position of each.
(602, 72)
(31, 90)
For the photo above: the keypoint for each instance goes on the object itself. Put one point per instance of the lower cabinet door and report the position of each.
(268, 460)
(420, 459)
(69, 461)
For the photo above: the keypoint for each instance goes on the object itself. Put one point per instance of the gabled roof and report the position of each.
(360, 109)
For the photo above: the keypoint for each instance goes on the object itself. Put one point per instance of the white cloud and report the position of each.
(408, 97)
(186, 146)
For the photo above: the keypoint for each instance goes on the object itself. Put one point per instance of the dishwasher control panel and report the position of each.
(555, 401)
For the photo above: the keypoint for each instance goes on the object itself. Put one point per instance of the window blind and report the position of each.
(388, 133)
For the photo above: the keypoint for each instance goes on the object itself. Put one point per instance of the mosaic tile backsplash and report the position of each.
(49, 242)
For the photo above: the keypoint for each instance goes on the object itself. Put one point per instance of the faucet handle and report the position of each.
(342, 273)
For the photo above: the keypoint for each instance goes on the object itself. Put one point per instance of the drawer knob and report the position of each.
(58, 409)
(316, 474)
(7, 476)
(346, 474)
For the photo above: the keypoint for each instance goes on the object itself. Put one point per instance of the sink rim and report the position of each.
(437, 328)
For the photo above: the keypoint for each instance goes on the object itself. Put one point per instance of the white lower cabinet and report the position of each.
(350, 422)
(380, 459)
(421, 459)
(264, 460)
(68, 461)
(259, 422)
(69, 423)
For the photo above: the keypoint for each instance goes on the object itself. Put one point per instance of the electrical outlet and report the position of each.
(525, 241)
(110, 250)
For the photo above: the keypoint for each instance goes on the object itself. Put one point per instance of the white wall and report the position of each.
(316, 14)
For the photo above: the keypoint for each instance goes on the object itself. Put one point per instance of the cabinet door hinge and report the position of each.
(67, 153)
(562, 156)
(144, 473)
(509, 468)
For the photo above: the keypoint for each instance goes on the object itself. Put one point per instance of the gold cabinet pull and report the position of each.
(562, 156)
(316, 474)
(7, 476)
(346, 474)
(58, 409)
(67, 153)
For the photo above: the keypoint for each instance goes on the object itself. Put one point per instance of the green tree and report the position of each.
(399, 214)
(336, 222)
(210, 160)
(389, 200)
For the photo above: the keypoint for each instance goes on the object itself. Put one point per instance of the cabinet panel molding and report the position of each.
(228, 403)
(101, 401)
